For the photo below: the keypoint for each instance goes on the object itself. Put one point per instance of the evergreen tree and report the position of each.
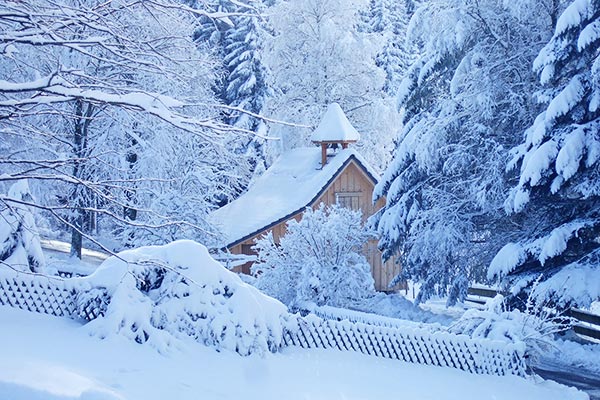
(389, 18)
(559, 180)
(242, 85)
(245, 85)
(465, 98)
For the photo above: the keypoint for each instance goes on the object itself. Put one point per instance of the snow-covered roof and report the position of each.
(293, 182)
(334, 127)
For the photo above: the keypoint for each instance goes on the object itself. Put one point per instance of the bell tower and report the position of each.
(334, 130)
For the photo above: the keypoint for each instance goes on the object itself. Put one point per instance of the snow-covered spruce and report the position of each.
(389, 19)
(558, 193)
(465, 99)
(160, 293)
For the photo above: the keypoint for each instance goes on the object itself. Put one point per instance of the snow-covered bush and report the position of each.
(534, 327)
(318, 260)
(19, 240)
(160, 293)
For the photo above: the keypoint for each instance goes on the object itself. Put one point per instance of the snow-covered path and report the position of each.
(44, 357)
(581, 379)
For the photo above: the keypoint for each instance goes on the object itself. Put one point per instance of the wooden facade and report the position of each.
(351, 187)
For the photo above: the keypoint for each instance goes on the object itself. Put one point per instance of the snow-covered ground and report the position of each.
(567, 352)
(57, 258)
(51, 358)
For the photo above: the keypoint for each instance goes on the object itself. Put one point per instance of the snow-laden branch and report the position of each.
(164, 107)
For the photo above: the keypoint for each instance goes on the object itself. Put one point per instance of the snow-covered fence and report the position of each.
(159, 293)
(48, 295)
(406, 342)
(479, 356)
(339, 314)
(586, 324)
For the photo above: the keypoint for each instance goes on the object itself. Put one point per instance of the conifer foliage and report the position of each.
(559, 178)
(466, 98)
(389, 19)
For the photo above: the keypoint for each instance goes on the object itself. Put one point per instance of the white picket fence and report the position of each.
(57, 296)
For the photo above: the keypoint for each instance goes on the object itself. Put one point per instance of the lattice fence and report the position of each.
(49, 295)
(442, 349)
(65, 298)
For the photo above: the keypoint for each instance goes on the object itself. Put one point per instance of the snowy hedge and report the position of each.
(159, 293)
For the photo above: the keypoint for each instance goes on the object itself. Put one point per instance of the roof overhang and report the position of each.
(350, 159)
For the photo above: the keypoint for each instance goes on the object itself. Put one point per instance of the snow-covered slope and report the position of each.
(50, 358)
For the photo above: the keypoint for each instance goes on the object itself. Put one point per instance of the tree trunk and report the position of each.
(83, 115)
(130, 212)
(76, 237)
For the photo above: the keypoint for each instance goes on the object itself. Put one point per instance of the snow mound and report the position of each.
(161, 293)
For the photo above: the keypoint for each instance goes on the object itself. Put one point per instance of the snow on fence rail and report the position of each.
(61, 297)
(478, 356)
(588, 324)
(339, 314)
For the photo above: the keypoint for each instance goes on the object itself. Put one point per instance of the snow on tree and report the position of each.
(390, 18)
(189, 179)
(464, 99)
(20, 247)
(318, 260)
(241, 85)
(245, 83)
(559, 171)
(245, 86)
(312, 59)
(89, 91)
(158, 294)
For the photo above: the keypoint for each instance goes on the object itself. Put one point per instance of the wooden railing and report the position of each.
(588, 324)
(586, 317)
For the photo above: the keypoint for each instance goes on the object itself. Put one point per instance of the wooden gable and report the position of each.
(353, 187)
